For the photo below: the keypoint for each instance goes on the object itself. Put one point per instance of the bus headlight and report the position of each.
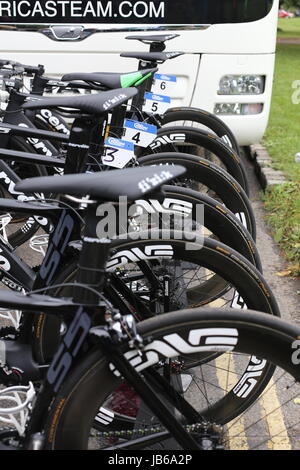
(242, 85)
(238, 108)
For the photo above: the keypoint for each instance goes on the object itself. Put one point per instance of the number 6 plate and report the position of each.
(164, 83)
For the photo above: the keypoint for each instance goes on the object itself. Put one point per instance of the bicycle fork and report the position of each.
(175, 429)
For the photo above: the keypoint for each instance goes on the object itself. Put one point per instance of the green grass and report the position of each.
(282, 140)
(289, 28)
(283, 205)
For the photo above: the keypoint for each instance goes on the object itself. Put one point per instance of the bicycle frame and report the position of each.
(77, 148)
(73, 346)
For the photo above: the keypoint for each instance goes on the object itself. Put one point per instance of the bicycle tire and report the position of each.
(45, 337)
(224, 186)
(175, 138)
(247, 281)
(29, 228)
(258, 334)
(209, 120)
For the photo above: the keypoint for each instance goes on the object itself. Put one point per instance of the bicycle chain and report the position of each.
(201, 430)
(11, 436)
(8, 332)
(6, 431)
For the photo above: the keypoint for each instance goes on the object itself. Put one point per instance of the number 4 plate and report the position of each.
(139, 133)
(164, 83)
(117, 152)
(156, 104)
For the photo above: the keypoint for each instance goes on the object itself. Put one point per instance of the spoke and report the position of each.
(266, 415)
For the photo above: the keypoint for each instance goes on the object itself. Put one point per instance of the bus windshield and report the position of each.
(167, 12)
(228, 11)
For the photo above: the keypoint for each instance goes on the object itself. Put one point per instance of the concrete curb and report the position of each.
(262, 161)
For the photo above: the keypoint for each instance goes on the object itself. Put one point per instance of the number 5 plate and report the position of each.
(156, 104)
(139, 133)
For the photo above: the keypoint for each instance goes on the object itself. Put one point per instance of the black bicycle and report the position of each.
(103, 354)
(214, 273)
(205, 176)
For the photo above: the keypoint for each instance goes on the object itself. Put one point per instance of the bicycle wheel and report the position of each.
(227, 228)
(178, 339)
(245, 287)
(195, 117)
(206, 177)
(197, 142)
(19, 228)
(198, 277)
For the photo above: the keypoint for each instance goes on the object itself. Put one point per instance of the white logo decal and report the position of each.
(249, 379)
(165, 139)
(54, 121)
(113, 100)
(136, 254)
(151, 181)
(140, 126)
(199, 340)
(37, 144)
(4, 263)
(169, 205)
(4, 130)
(104, 416)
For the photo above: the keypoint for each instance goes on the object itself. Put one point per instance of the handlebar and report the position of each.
(30, 69)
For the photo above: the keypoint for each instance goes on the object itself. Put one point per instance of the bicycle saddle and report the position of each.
(152, 56)
(157, 43)
(134, 183)
(95, 104)
(159, 38)
(111, 80)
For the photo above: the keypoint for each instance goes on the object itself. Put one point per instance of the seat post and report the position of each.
(117, 121)
(12, 114)
(157, 46)
(39, 84)
(78, 145)
(92, 260)
(138, 99)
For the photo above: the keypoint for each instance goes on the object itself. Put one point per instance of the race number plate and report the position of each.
(156, 104)
(117, 152)
(139, 133)
(164, 83)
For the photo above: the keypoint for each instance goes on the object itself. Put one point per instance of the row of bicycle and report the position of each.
(143, 306)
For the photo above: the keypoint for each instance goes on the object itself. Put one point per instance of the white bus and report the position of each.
(229, 44)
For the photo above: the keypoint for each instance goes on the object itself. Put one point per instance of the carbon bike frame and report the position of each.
(76, 342)
(18, 276)
(92, 263)
(15, 273)
(17, 123)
